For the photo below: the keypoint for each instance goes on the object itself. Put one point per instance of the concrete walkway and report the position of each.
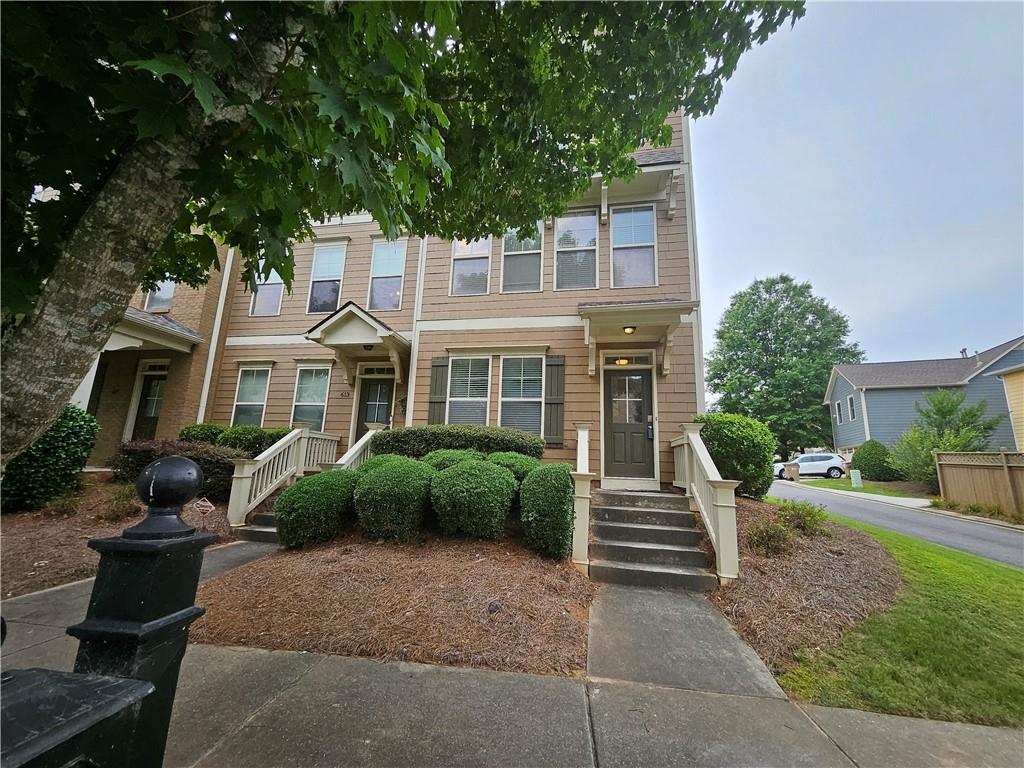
(899, 501)
(670, 685)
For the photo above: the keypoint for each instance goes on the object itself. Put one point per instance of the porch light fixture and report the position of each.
(629, 330)
(367, 347)
(622, 361)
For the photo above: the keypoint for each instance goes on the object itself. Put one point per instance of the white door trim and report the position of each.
(133, 404)
(632, 483)
(358, 388)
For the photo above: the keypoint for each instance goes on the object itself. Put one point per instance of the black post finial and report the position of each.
(165, 486)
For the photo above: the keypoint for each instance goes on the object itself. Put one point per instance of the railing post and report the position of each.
(241, 485)
(302, 446)
(582, 446)
(723, 506)
(581, 521)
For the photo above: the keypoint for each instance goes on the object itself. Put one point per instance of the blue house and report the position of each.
(876, 400)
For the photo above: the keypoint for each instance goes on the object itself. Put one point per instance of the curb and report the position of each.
(931, 510)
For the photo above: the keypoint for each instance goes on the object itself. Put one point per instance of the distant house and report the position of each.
(876, 400)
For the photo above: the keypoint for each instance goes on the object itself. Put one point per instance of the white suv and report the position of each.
(825, 464)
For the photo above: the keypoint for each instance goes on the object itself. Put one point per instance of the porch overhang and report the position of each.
(651, 321)
(143, 330)
(658, 172)
(355, 335)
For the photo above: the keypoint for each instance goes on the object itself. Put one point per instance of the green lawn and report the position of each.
(843, 484)
(951, 648)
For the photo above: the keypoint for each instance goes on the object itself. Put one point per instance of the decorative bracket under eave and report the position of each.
(666, 353)
(396, 360)
(671, 213)
(349, 367)
(604, 203)
(591, 348)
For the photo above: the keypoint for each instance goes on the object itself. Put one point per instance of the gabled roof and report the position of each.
(645, 157)
(162, 323)
(944, 372)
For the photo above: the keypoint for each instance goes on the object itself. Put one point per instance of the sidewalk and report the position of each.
(899, 501)
(686, 691)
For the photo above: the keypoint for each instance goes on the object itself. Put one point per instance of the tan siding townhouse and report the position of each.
(593, 319)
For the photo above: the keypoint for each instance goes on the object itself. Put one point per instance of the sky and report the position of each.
(875, 150)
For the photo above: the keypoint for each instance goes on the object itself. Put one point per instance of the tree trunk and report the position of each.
(46, 357)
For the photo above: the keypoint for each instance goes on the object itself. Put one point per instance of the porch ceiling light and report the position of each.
(622, 361)
(629, 330)
(367, 347)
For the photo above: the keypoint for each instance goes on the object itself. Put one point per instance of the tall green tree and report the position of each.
(136, 135)
(774, 351)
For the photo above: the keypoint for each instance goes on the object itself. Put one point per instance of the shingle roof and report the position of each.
(163, 323)
(924, 373)
(656, 156)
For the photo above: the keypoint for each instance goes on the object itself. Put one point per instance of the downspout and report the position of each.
(410, 396)
(215, 337)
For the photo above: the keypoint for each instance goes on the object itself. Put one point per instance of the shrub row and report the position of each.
(417, 442)
(216, 461)
(50, 467)
(248, 438)
(743, 449)
(392, 497)
(316, 509)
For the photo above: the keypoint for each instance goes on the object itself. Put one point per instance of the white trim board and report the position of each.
(501, 323)
(265, 341)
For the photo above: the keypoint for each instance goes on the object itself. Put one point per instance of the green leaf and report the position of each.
(164, 64)
(206, 91)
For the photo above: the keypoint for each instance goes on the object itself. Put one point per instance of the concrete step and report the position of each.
(643, 499)
(258, 533)
(655, 534)
(646, 552)
(643, 516)
(641, 575)
(264, 518)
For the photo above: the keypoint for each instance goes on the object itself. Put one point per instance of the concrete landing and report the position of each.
(674, 639)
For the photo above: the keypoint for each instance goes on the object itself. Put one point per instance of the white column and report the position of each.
(581, 521)
(84, 391)
(582, 446)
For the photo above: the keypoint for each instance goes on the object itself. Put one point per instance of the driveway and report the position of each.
(992, 541)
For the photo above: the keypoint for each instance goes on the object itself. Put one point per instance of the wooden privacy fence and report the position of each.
(982, 478)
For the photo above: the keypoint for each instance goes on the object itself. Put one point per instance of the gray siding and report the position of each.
(891, 411)
(849, 434)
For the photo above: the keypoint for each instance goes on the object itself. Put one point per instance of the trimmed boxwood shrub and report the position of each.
(516, 463)
(419, 441)
(201, 433)
(874, 461)
(50, 467)
(216, 461)
(742, 448)
(546, 504)
(373, 462)
(247, 438)
(392, 498)
(271, 436)
(316, 508)
(443, 458)
(473, 498)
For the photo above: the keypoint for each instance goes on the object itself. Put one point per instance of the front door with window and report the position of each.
(628, 424)
(151, 400)
(375, 397)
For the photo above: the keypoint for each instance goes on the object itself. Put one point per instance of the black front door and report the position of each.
(151, 400)
(628, 424)
(375, 396)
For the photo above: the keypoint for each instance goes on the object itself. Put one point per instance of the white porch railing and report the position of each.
(581, 502)
(710, 495)
(358, 453)
(255, 479)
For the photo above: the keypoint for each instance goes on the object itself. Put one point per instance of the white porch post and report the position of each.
(582, 446)
(301, 447)
(84, 391)
(726, 549)
(241, 486)
(581, 521)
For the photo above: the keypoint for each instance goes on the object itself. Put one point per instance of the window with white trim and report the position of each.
(849, 408)
(522, 261)
(576, 250)
(839, 412)
(161, 297)
(251, 396)
(522, 393)
(309, 405)
(471, 267)
(267, 296)
(469, 387)
(325, 286)
(633, 251)
(387, 273)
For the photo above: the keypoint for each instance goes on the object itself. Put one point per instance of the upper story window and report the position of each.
(522, 261)
(633, 250)
(387, 273)
(469, 387)
(267, 296)
(325, 287)
(310, 403)
(839, 412)
(251, 396)
(471, 267)
(849, 408)
(522, 392)
(160, 298)
(576, 250)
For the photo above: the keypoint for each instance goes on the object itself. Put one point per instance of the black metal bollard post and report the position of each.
(143, 602)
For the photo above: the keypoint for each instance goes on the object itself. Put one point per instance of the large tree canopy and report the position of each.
(156, 129)
(774, 351)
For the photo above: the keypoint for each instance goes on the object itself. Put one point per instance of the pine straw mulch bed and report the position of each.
(809, 597)
(47, 547)
(464, 602)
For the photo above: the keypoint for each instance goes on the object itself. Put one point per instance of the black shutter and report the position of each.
(554, 400)
(438, 390)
